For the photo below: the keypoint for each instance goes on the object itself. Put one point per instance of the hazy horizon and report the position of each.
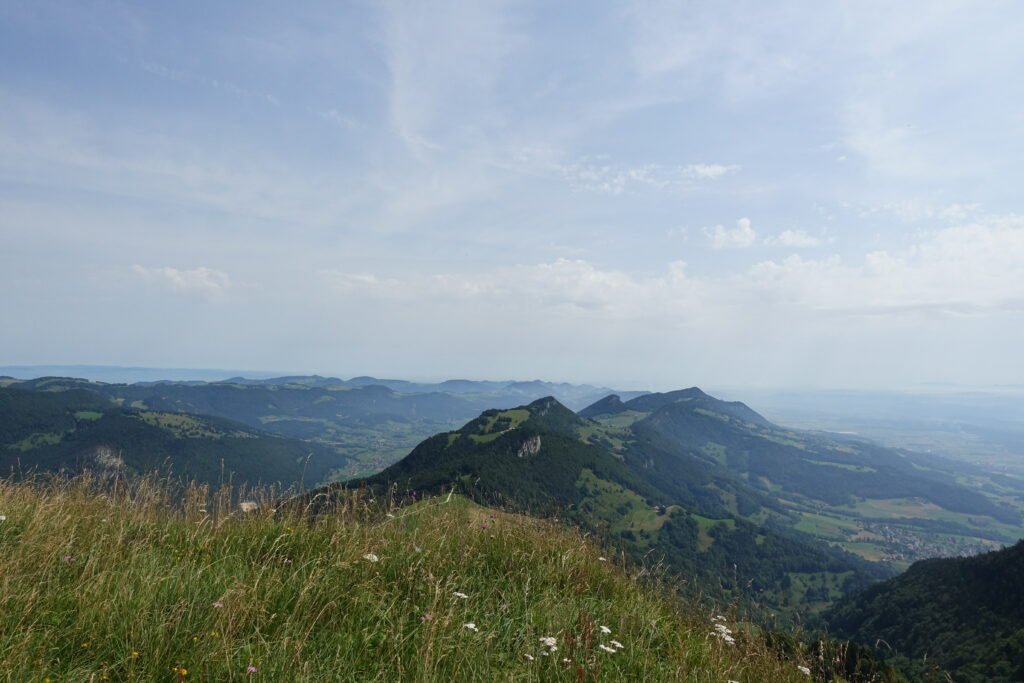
(646, 196)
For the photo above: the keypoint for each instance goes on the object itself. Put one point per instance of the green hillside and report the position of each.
(139, 583)
(543, 459)
(886, 505)
(56, 430)
(963, 614)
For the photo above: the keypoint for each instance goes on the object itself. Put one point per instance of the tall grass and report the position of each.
(110, 581)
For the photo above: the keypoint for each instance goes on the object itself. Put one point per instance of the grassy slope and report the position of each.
(125, 586)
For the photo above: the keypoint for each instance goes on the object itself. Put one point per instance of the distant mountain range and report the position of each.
(368, 423)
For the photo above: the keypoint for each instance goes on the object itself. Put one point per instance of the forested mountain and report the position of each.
(964, 614)
(69, 430)
(885, 504)
(544, 459)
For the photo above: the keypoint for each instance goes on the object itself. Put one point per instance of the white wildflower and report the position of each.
(718, 617)
(460, 595)
(529, 656)
(606, 648)
(390, 515)
(370, 557)
(605, 629)
(804, 670)
(566, 660)
(3, 518)
(602, 559)
(544, 653)
(248, 506)
(471, 626)
(549, 641)
(617, 644)
(723, 629)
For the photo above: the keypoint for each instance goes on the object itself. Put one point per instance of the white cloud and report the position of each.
(207, 282)
(742, 236)
(595, 174)
(793, 238)
(969, 269)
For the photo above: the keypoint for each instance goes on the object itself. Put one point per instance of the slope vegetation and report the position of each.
(119, 583)
(964, 614)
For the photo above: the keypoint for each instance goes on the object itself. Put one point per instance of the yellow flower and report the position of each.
(86, 644)
(134, 655)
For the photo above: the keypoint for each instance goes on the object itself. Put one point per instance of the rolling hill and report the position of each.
(73, 429)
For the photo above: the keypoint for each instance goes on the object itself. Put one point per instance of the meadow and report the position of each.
(149, 580)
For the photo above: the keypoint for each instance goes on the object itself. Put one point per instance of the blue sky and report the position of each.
(645, 194)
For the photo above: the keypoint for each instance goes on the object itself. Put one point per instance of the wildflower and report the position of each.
(3, 518)
(605, 629)
(390, 515)
(566, 660)
(247, 506)
(602, 559)
(250, 669)
(804, 670)
(718, 617)
(66, 558)
(617, 644)
(471, 626)
(213, 634)
(181, 671)
(544, 653)
(371, 557)
(606, 648)
(218, 604)
(529, 656)
(427, 616)
(460, 595)
(135, 655)
(86, 644)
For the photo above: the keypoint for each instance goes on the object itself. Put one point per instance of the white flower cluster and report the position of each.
(471, 626)
(724, 632)
(549, 642)
(804, 670)
(370, 557)
(460, 595)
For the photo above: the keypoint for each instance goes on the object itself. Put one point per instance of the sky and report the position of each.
(639, 194)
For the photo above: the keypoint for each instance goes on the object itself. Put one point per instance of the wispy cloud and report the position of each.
(793, 238)
(209, 283)
(597, 174)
